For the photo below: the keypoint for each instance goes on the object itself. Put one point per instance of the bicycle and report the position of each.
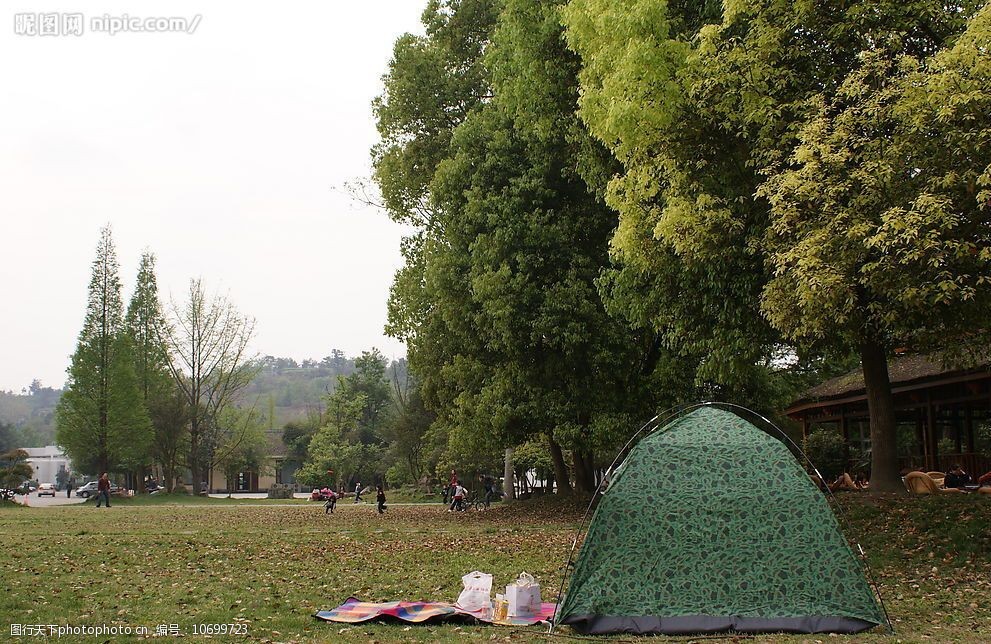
(471, 502)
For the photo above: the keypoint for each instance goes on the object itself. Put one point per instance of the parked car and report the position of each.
(90, 489)
(86, 490)
(27, 487)
(46, 489)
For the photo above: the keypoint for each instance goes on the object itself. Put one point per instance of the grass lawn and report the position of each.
(270, 567)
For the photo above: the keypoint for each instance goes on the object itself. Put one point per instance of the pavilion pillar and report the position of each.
(920, 436)
(958, 427)
(845, 431)
(969, 427)
(932, 461)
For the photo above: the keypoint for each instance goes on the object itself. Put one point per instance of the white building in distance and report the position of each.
(46, 462)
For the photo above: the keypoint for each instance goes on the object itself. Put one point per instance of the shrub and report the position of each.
(826, 450)
(982, 440)
(280, 491)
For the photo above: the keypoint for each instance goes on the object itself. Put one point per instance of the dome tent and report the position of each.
(711, 525)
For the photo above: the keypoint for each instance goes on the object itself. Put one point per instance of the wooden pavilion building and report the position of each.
(938, 412)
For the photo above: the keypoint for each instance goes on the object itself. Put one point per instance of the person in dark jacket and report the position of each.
(103, 490)
(957, 478)
(380, 497)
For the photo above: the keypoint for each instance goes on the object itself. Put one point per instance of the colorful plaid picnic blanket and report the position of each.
(354, 611)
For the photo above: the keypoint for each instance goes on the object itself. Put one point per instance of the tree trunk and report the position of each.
(168, 472)
(508, 488)
(880, 404)
(584, 472)
(560, 467)
(194, 463)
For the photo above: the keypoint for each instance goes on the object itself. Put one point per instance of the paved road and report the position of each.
(48, 501)
(59, 499)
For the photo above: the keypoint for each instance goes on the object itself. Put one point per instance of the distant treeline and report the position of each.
(286, 389)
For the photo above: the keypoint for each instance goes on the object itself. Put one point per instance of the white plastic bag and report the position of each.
(523, 596)
(477, 594)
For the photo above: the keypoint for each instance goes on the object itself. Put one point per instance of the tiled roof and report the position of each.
(901, 370)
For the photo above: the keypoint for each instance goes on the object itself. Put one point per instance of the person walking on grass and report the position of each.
(357, 492)
(457, 502)
(380, 498)
(328, 507)
(103, 490)
(451, 484)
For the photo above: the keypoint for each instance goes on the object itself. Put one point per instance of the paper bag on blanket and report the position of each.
(523, 596)
(477, 592)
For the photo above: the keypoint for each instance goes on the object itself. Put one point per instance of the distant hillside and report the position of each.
(285, 390)
(31, 413)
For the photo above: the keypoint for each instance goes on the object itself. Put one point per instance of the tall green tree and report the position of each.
(407, 431)
(146, 330)
(532, 237)
(368, 384)
(881, 230)
(700, 112)
(433, 83)
(100, 419)
(499, 305)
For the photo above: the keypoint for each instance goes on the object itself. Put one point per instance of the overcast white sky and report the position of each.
(218, 151)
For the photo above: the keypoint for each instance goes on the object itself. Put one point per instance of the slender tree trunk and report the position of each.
(560, 467)
(508, 488)
(194, 462)
(880, 404)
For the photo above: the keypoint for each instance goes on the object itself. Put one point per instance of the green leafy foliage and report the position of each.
(787, 179)
(14, 468)
(101, 421)
(350, 445)
(498, 301)
(145, 329)
(827, 451)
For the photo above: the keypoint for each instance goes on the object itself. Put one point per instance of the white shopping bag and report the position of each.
(476, 595)
(523, 596)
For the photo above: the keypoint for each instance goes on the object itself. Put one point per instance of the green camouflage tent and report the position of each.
(711, 525)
